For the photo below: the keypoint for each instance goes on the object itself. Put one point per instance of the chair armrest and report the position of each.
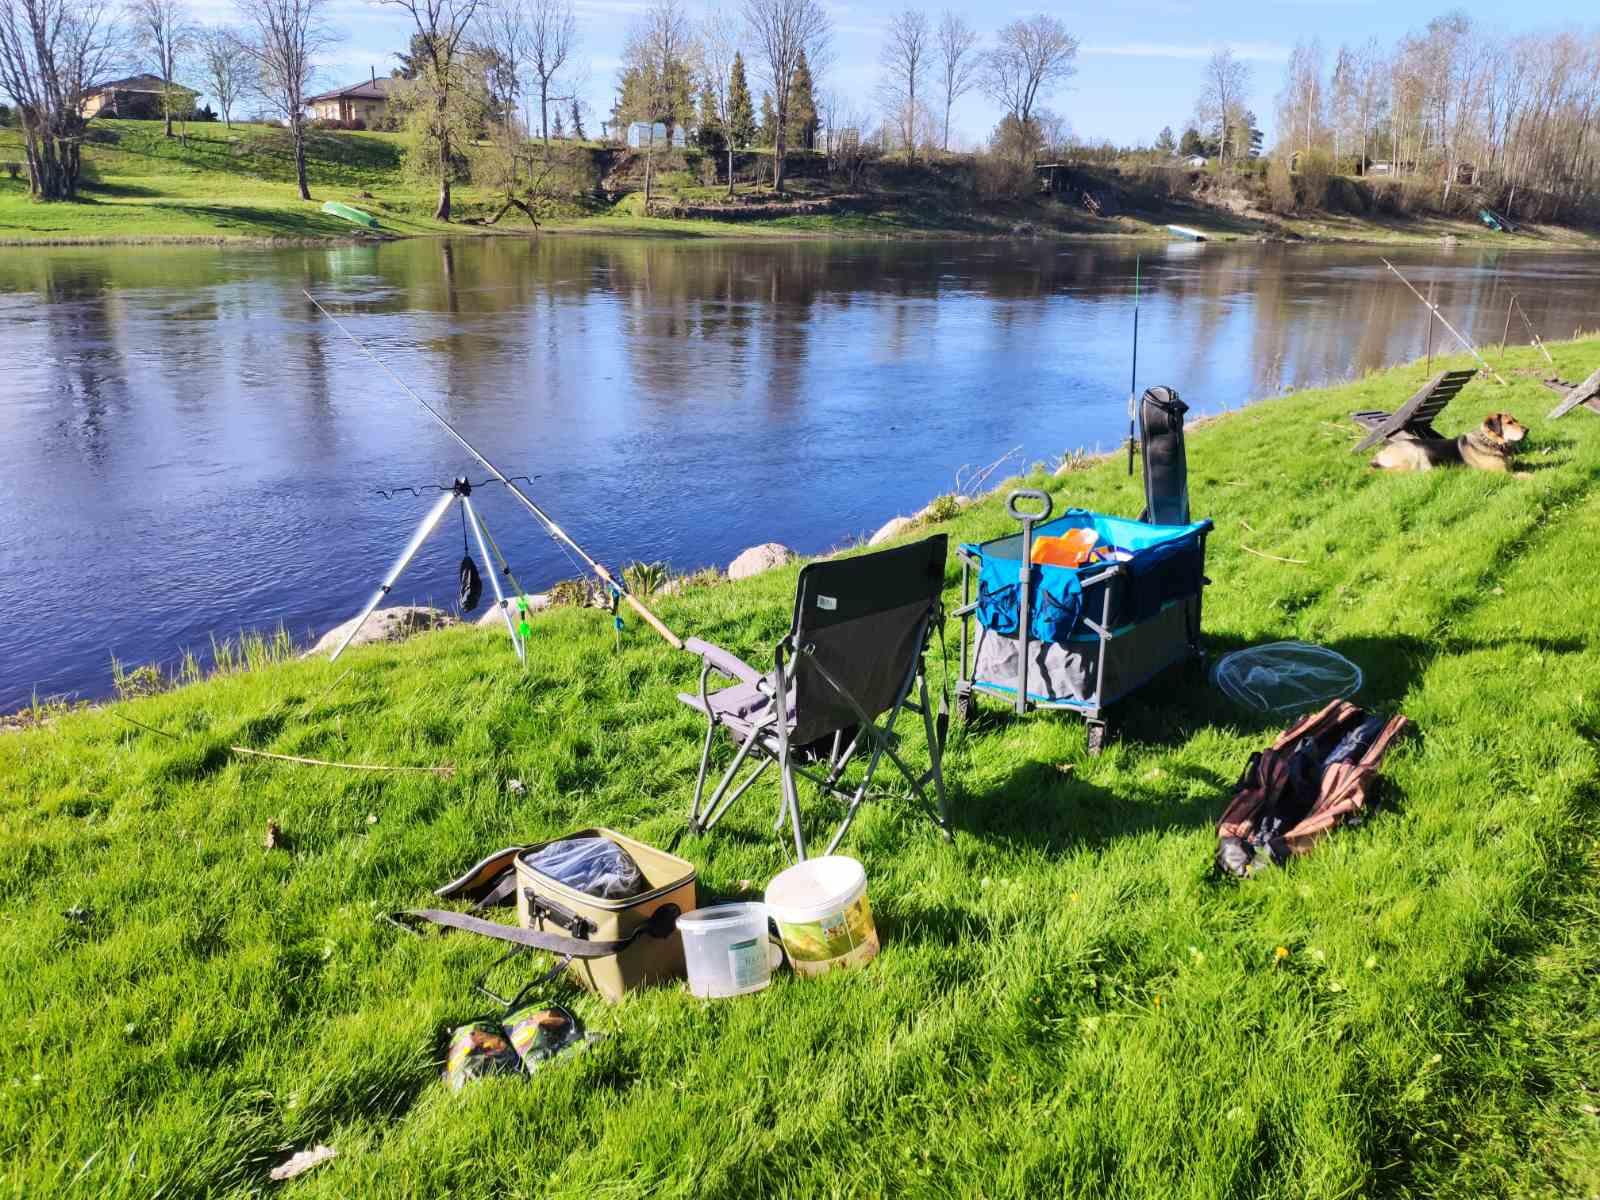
(726, 661)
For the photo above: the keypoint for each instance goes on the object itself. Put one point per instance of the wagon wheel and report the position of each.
(1095, 734)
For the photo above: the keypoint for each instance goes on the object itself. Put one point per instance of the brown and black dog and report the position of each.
(1488, 448)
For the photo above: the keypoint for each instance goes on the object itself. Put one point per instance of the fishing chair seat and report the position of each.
(853, 656)
(741, 707)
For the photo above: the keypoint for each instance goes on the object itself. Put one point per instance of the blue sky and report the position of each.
(1139, 65)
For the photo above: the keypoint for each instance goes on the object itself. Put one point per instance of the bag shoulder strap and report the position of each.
(660, 924)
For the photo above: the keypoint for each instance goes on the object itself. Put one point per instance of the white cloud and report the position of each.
(1255, 51)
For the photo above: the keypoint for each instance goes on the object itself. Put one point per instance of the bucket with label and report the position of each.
(821, 910)
(726, 949)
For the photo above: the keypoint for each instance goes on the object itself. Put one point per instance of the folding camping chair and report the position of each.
(854, 652)
(1416, 416)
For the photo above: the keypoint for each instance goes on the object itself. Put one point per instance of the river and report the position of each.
(188, 449)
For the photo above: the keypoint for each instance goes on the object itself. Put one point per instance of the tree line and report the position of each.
(1456, 106)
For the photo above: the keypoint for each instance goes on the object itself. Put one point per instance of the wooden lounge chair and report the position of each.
(1416, 416)
(1586, 393)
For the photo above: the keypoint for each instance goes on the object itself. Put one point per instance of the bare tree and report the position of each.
(904, 59)
(51, 51)
(503, 42)
(781, 31)
(162, 30)
(284, 38)
(1221, 106)
(661, 60)
(959, 61)
(1031, 58)
(722, 35)
(442, 28)
(552, 41)
(226, 67)
(1300, 104)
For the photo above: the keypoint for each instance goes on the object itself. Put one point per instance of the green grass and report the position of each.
(1067, 1003)
(222, 184)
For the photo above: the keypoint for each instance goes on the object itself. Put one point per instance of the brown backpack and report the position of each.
(1318, 774)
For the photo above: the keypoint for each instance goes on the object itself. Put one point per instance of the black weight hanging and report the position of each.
(471, 585)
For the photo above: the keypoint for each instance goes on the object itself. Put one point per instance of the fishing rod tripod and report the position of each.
(460, 490)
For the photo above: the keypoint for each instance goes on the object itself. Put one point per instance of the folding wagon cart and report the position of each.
(1078, 638)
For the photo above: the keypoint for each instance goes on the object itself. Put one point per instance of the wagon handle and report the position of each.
(1030, 494)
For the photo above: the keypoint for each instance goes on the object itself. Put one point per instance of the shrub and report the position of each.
(999, 176)
(1315, 171)
(645, 578)
(942, 508)
(6, 116)
(1280, 186)
(13, 169)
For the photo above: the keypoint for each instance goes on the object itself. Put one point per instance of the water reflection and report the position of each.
(186, 447)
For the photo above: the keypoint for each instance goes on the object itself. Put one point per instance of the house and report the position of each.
(367, 102)
(138, 97)
(1196, 161)
(640, 136)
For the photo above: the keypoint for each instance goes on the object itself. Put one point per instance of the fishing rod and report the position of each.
(539, 514)
(1434, 309)
(1133, 376)
(1532, 332)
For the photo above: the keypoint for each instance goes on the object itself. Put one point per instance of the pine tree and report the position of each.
(741, 113)
(1166, 143)
(802, 107)
(577, 122)
(710, 136)
(767, 135)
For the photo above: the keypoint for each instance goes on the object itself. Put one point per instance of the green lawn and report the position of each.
(1067, 1002)
(222, 184)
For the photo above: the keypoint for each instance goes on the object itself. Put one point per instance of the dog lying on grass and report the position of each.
(1487, 448)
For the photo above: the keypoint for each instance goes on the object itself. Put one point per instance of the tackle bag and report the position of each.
(1320, 773)
(1166, 461)
(608, 945)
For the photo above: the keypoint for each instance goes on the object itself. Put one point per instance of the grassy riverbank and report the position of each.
(217, 184)
(1066, 1002)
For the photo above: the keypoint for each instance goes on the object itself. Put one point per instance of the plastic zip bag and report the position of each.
(593, 866)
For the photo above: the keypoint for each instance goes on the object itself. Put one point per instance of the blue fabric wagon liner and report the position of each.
(1094, 634)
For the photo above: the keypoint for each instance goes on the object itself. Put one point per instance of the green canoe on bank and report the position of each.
(344, 211)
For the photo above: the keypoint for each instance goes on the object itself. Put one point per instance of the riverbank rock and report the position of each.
(891, 528)
(758, 559)
(537, 602)
(385, 625)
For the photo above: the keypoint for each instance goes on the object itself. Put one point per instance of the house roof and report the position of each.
(367, 89)
(139, 83)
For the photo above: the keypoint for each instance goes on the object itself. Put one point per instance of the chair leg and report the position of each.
(700, 778)
(720, 803)
(791, 797)
(936, 760)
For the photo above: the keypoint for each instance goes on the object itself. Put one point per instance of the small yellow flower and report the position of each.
(1158, 999)
(1074, 897)
(1281, 953)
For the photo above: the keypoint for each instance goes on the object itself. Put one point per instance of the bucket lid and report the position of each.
(816, 887)
(722, 916)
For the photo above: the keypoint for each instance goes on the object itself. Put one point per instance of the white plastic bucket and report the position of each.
(821, 909)
(726, 949)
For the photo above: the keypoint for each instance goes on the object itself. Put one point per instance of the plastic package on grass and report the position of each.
(592, 865)
(1285, 677)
